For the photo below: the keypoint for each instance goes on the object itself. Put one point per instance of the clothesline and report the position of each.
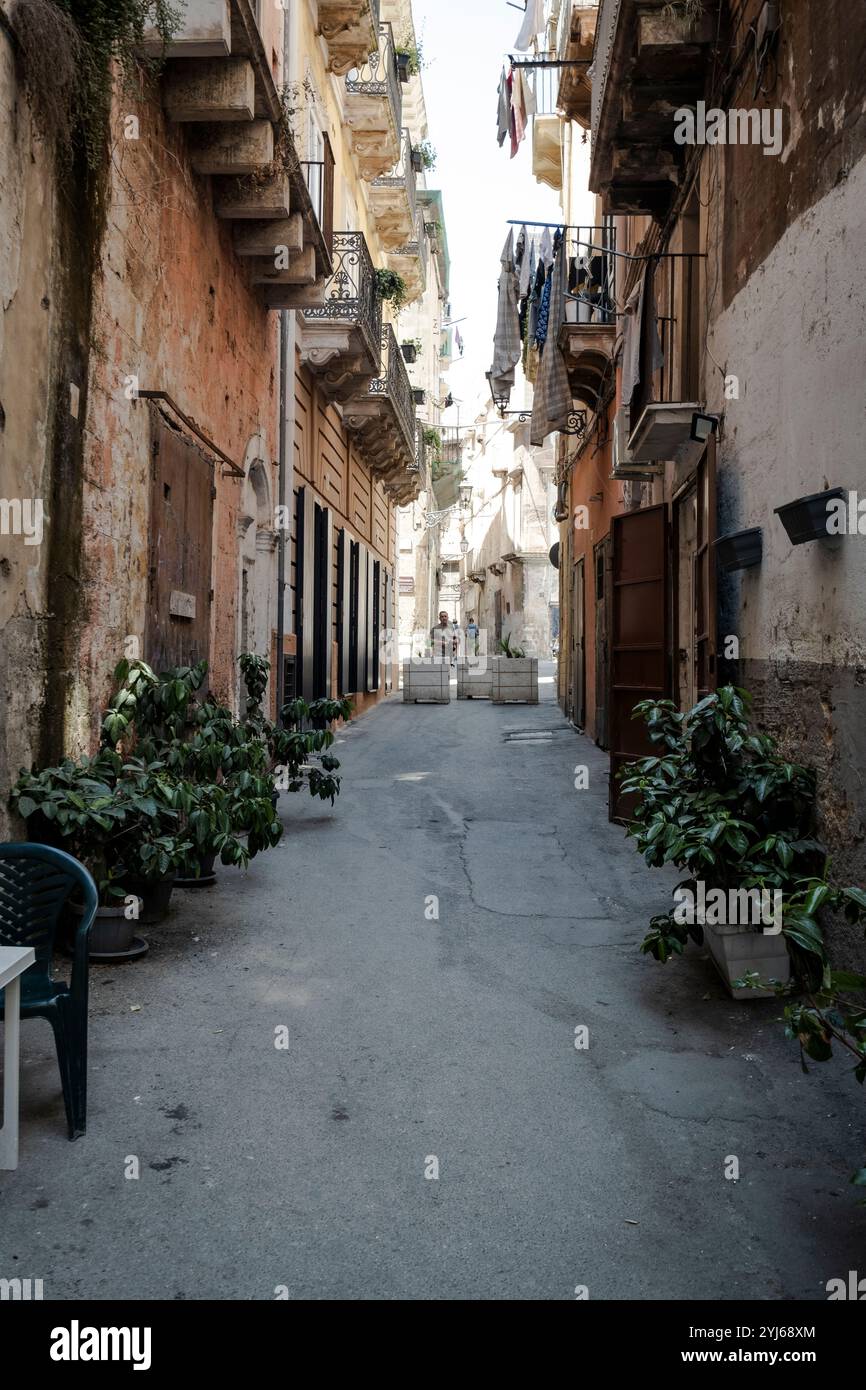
(607, 250)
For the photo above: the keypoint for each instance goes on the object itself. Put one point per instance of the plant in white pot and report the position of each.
(720, 802)
(513, 675)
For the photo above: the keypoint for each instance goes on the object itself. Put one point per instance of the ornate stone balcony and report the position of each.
(576, 39)
(392, 199)
(410, 260)
(350, 29)
(218, 83)
(649, 61)
(340, 340)
(374, 109)
(382, 419)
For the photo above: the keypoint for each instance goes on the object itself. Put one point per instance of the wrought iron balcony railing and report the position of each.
(352, 296)
(378, 77)
(591, 253)
(393, 383)
(419, 463)
(451, 451)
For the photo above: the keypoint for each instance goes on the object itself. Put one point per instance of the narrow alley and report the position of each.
(414, 1038)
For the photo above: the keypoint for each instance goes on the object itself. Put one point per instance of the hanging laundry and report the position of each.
(533, 24)
(458, 340)
(544, 307)
(518, 110)
(506, 342)
(503, 108)
(553, 401)
(545, 250)
(640, 333)
(527, 264)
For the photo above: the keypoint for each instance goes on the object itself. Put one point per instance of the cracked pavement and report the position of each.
(453, 1037)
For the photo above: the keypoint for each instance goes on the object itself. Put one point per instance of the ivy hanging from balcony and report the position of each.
(68, 49)
(391, 286)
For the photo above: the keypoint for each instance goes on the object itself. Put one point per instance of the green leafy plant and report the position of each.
(720, 802)
(507, 650)
(426, 154)
(391, 286)
(69, 52)
(414, 48)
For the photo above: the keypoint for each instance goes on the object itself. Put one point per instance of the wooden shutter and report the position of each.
(705, 575)
(306, 592)
(372, 626)
(177, 630)
(344, 611)
(639, 655)
(324, 603)
(359, 617)
(389, 628)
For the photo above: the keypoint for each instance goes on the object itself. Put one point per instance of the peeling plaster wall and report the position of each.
(174, 311)
(795, 337)
(27, 329)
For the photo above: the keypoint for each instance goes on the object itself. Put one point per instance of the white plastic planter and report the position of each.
(426, 682)
(737, 951)
(474, 682)
(514, 678)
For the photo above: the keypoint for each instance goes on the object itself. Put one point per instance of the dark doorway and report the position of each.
(578, 644)
(639, 635)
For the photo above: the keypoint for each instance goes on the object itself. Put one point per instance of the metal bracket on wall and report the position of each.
(193, 428)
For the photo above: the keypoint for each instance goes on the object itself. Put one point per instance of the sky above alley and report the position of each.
(465, 45)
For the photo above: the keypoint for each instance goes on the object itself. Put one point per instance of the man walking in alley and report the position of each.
(441, 639)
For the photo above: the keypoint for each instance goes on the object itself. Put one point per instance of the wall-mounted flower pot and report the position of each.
(409, 351)
(419, 395)
(417, 161)
(741, 549)
(403, 61)
(806, 519)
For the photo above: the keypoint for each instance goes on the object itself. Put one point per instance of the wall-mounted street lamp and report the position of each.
(465, 494)
(464, 546)
(703, 426)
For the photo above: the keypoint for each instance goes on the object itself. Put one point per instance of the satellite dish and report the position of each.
(554, 555)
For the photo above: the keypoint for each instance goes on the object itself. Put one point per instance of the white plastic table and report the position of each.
(14, 960)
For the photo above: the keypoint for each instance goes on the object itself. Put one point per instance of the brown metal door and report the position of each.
(603, 588)
(578, 645)
(177, 631)
(639, 637)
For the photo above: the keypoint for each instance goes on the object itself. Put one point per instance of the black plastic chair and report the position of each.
(35, 884)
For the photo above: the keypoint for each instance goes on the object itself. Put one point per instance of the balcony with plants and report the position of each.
(350, 29)
(340, 340)
(374, 109)
(650, 59)
(382, 420)
(217, 82)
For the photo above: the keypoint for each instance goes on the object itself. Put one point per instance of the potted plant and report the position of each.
(391, 286)
(423, 157)
(410, 58)
(720, 802)
(419, 395)
(410, 349)
(514, 675)
(296, 750)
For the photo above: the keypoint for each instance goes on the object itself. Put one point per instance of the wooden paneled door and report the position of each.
(578, 644)
(603, 592)
(639, 660)
(177, 631)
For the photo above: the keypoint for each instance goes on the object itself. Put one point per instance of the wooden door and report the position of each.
(639, 662)
(177, 629)
(603, 591)
(578, 644)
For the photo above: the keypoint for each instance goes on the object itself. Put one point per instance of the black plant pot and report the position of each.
(806, 518)
(419, 396)
(409, 351)
(206, 876)
(155, 894)
(112, 937)
(403, 60)
(417, 162)
(741, 549)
